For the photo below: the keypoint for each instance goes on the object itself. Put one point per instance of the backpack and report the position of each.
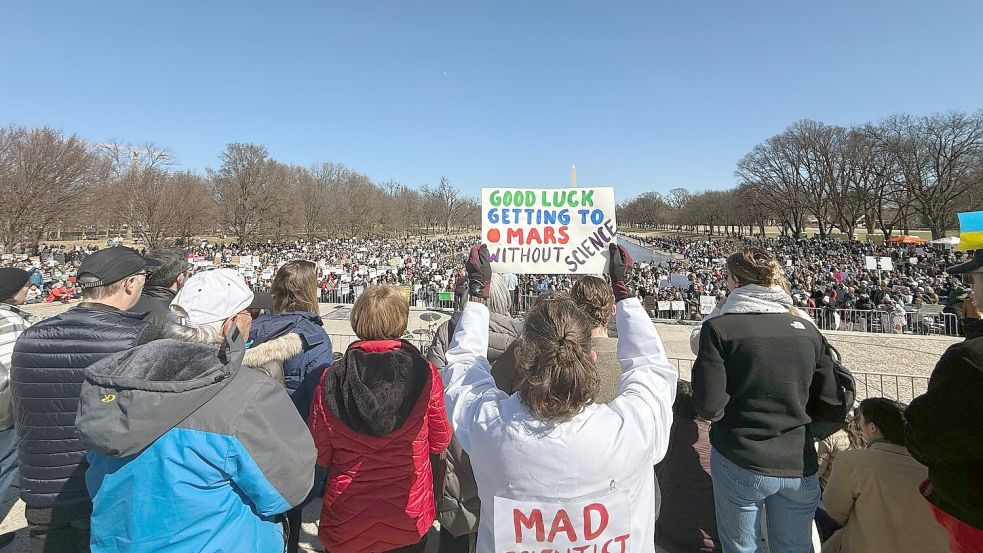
(828, 418)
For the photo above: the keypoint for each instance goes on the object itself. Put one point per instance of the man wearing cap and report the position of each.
(943, 426)
(194, 451)
(47, 370)
(162, 285)
(14, 285)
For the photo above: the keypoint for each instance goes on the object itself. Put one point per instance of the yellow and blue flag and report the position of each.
(971, 230)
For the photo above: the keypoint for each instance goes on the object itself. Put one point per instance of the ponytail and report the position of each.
(560, 377)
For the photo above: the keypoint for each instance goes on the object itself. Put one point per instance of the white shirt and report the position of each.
(606, 448)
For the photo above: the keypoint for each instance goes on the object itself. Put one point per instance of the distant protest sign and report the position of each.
(548, 230)
(596, 525)
(707, 303)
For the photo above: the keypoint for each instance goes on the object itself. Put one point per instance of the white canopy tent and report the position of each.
(948, 241)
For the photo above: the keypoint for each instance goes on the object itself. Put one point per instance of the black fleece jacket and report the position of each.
(945, 429)
(754, 376)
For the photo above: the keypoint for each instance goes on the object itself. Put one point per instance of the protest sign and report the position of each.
(678, 305)
(707, 303)
(548, 230)
(665, 306)
(599, 524)
(679, 280)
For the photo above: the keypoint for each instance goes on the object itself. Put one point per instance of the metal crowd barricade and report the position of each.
(899, 387)
(927, 321)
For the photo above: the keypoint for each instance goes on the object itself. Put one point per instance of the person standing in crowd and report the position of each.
(47, 370)
(459, 506)
(688, 523)
(594, 297)
(943, 430)
(162, 285)
(295, 324)
(189, 450)
(873, 493)
(763, 454)
(549, 452)
(296, 316)
(14, 286)
(377, 415)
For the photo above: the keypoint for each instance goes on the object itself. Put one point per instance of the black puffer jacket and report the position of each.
(47, 370)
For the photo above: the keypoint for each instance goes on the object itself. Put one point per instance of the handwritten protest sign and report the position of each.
(548, 230)
(601, 525)
(707, 303)
(678, 305)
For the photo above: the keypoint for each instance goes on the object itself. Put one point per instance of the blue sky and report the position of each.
(640, 95)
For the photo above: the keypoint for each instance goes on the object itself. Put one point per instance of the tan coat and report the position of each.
(874, 493)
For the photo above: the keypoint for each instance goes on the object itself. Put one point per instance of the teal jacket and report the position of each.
(189, 452)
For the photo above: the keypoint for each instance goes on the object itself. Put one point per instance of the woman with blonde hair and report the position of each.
(377, 415)
(757, 370)
(555, 469)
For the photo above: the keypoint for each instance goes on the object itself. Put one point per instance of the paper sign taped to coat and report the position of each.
(598, 525)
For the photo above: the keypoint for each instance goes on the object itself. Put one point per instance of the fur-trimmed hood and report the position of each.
(270, 356)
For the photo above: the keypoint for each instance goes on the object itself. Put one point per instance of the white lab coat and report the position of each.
(608, 447)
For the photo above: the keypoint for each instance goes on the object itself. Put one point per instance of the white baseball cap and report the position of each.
(213, 296)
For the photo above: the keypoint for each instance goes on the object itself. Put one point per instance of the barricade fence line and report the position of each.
(899, 387)
(921, 323)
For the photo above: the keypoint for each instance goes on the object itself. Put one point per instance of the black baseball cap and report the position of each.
(110, 265)
(975, 263)
(12, 280)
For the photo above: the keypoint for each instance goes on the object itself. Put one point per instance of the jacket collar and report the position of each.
(382, 346)
(974, 329)
(159, 292)
(882, 445)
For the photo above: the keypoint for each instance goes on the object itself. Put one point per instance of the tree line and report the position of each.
(52, 182)
(894, 175)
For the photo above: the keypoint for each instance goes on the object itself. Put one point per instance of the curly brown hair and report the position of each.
(554, 351)
(594, 296)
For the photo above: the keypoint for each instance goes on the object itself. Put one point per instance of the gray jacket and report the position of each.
(459, 506)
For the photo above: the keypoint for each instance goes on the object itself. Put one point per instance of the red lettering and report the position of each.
(591, 532)
(549, 235)
(561, 523)
(621, 540)
(533, 235)
(582, 548)
(564, 237)
(535, 519)
(514, 233)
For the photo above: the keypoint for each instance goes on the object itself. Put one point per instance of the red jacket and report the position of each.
(376, 417)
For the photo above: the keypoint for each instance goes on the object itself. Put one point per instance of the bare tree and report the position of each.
(44, 177)
(244, 190)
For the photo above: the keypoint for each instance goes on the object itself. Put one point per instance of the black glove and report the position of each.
(621, 261)
(479, 271)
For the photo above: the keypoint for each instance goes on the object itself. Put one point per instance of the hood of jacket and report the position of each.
(375, 386)
(130, 399)
(269, 356)
(273, 325)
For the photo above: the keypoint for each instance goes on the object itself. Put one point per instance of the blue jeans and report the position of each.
(740, 494)
(9, 475)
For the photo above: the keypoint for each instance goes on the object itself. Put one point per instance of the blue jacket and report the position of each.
(189, 452)
(302, 373)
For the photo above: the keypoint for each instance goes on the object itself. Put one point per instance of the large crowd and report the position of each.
(830, 279)
(176, 409)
